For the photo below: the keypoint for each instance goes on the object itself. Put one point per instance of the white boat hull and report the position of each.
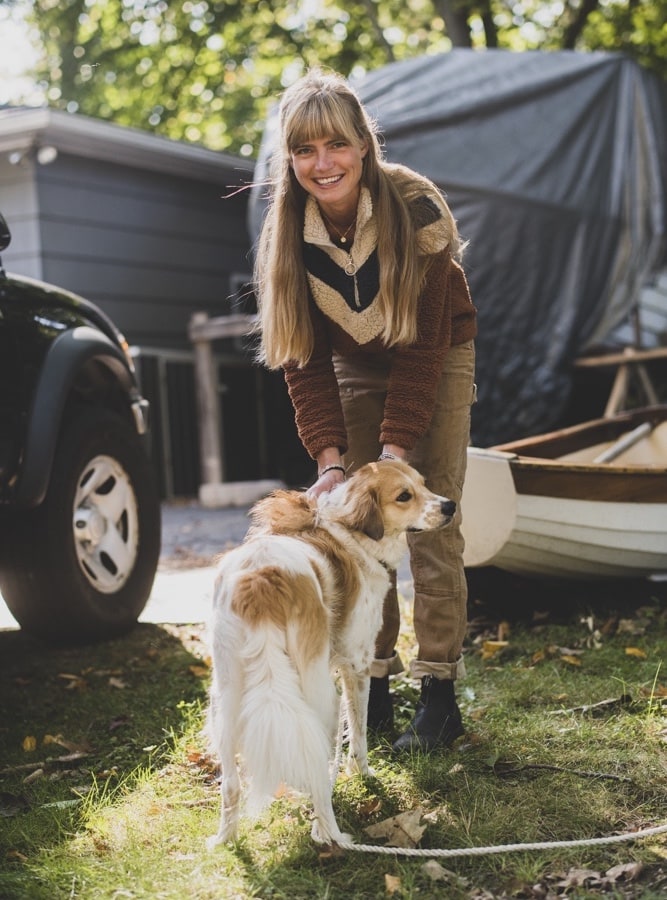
(554, 536)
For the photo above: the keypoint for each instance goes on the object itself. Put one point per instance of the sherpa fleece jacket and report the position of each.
(346, 320)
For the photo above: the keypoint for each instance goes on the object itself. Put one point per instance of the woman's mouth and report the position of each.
(331, 179)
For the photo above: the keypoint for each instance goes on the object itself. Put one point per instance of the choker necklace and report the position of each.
(342, 235)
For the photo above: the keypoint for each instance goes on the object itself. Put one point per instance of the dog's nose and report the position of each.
(448, 507)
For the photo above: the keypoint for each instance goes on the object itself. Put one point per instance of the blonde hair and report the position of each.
(324, 105)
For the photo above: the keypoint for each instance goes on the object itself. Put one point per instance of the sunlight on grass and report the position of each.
(534, 765)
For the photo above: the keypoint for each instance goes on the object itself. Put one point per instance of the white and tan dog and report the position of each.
(297, 603)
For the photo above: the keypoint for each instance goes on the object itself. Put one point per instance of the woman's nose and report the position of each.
(323, 160)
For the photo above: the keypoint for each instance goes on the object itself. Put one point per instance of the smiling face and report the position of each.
(329, 169)
(325, 138)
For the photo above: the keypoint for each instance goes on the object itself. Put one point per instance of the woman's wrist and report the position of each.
(332, 467)
(392, 451)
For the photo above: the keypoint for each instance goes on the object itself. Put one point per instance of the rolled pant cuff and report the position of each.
(390, 666)
(442, 670)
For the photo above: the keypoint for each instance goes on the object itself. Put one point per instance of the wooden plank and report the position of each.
(629, 356)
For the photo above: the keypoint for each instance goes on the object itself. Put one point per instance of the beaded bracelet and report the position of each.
(387, 455)
(335, 467)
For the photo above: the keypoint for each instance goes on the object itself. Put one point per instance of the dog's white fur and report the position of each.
(297, 603)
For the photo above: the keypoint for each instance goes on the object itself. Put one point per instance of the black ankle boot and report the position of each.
(380, 707)
(437, 722)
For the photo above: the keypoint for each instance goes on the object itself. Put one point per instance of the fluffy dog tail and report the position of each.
(289, 703)
(288, 718)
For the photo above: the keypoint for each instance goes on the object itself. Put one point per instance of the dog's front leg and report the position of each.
(356, 687)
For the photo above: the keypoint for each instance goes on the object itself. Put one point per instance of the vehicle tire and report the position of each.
(80, 567)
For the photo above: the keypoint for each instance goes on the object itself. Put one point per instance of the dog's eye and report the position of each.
(404, 497)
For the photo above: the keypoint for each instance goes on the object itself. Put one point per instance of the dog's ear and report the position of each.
(367, 516)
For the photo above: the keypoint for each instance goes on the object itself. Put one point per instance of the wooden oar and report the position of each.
(624, 443)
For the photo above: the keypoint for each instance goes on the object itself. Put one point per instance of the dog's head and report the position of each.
(387, 498)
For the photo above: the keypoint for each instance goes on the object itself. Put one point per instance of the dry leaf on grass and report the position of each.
(73, 746)
(636, 652)
(402, 830)
(199, 671)
(490, 649)
(436, 872)
(392, 884)
(570, 660)
(73, 682)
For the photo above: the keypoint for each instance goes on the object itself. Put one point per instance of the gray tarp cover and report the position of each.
(554, 167)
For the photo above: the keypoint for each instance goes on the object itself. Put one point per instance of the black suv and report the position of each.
(79, 505)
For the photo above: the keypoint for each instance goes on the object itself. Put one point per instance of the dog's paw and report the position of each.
(356, 766)
(229, 836)
(329, 836)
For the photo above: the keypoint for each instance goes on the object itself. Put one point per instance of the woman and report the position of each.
(364, 305)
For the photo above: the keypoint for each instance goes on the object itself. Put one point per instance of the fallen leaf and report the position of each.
(492, 648)
(34, 776)
(370, 806)
(636, 652)
(117, 683)
(29, 743)
(579, 878)
(624, 872)
(74, 682)
(72, 746)
(570, 660)
(17, 855)
(199, 671)
(434, 870)
(657, 691)
(392, 884)
(402, 830)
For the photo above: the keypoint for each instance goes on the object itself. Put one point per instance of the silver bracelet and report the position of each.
(387, 455)
(334, 467)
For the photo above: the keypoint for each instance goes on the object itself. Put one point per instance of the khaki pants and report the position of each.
(436, 558)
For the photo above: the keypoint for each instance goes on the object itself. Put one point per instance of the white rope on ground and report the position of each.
(473, 851)
(504, 848)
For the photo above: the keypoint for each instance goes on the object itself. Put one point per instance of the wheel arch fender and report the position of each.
(64, 360)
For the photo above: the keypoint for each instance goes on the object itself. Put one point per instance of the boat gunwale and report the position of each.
(547, 447)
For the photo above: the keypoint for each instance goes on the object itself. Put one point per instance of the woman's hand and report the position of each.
(326, 482)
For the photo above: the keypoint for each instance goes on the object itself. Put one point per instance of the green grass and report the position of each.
(119, 800)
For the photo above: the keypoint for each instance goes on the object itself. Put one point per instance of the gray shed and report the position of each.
(152, 230)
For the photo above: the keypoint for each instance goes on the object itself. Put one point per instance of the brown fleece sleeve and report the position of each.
(313, 390)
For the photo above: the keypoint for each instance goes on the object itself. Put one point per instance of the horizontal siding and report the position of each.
(149, 248)
(18, 204)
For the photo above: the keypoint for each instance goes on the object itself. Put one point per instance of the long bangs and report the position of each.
(323, 115)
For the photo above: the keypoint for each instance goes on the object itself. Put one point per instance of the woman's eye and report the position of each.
(404, 497)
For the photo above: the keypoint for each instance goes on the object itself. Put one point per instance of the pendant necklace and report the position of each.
(342, 235)
(350, 266)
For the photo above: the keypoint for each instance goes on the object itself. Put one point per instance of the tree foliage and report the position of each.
(206, 70)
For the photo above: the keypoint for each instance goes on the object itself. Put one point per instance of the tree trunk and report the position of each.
(455, 14)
